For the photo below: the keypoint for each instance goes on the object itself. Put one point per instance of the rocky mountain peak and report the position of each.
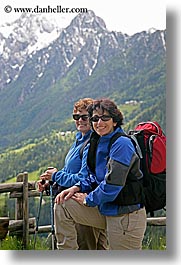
(88, 20)
(27, 34)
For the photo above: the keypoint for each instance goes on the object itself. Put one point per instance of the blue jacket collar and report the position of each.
(107, 136)
(80, 137)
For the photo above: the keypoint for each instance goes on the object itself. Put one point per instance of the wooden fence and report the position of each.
(22, 225)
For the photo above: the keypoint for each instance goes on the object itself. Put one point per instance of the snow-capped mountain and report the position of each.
(40, 80)
(19, 39)
(86, 37)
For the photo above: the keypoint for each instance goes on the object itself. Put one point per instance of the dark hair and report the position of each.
(105, 104)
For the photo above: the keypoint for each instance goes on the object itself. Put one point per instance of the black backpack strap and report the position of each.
(133, 139)
(83, 146)
(91, 156)
(115, 137)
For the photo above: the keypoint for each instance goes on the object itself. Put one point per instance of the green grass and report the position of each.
(10, 243)
(151, 242)
(127, 108)
(13, 243)
(155, 238)
(33, 176)
(155, 244)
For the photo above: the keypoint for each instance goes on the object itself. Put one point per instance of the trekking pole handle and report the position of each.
(50, 168)
(46, 181)
(43, 181)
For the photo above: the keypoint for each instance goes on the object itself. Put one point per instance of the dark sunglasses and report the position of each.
(103, 118)
(76, 117)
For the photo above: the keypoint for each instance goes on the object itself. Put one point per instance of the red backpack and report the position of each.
(150, 145)
(155, 145)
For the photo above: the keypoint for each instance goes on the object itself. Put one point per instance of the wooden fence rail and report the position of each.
(22, 225)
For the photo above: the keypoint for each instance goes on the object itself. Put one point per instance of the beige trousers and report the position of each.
(125, 232)
(91, 238)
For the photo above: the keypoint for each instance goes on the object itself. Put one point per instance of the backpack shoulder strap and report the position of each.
(91, 156)
(83, 146)
(115, 137)
(136, 145)
(133, 139)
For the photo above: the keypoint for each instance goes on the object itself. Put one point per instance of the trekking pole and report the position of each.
(38, 217)
(52, 214)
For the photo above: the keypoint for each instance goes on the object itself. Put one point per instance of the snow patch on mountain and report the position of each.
(33, 31)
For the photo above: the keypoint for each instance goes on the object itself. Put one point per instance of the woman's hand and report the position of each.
(79, 197)
(42, 185)
(47, 175)
(66, 194)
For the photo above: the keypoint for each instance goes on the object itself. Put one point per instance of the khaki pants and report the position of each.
(124, 232)
(91, 238)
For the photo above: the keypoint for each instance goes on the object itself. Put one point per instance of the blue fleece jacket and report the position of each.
(75, 168)
(109, 180)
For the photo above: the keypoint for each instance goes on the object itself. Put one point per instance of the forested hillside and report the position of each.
(36, 155)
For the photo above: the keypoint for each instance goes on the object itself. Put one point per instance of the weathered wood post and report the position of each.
(19, 204)
(22, 208)
(25, 211)
(19, 201)
(4, 222)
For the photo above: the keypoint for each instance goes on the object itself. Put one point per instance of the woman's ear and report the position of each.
(115, 124)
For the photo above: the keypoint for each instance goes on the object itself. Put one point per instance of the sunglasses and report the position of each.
(103, 118)
(76, 117)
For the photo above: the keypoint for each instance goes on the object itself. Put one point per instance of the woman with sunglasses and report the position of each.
(75, 169)
(93, 201)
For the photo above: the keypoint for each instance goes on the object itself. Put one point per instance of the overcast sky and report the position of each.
(126, 16)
